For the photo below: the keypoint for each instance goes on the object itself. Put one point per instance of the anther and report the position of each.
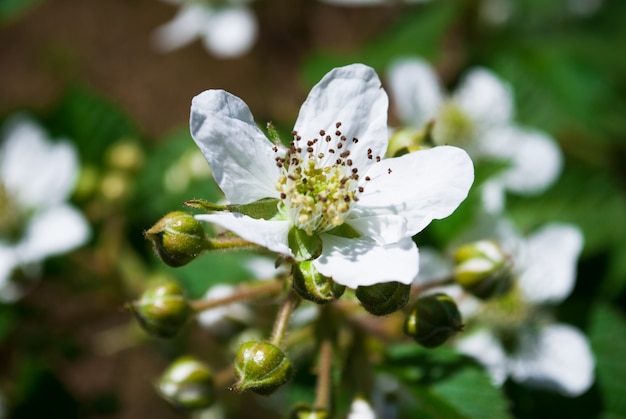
(337, 133)
(388, 171)
(322, 132)
(328, 138)
(283, 195)
(361, 189)
(339, 145)
(355, 140)
(368, 178)
(309, 149)
(377, 158)
(349, 162)
(338, 124)
(343, 138)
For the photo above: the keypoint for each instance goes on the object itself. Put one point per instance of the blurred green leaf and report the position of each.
(608, 340)
(11, 9)
(168, 178)
(91, 121)
(445, 384)
(417, 32)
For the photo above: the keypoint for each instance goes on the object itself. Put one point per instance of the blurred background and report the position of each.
(90, 72)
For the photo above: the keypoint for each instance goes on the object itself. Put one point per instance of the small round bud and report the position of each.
(384, 298)
(178, 238)
(162, 310)
(433, 320)
(307, 412)
(313, 286)
(483, 269)
(187, 384)
(261, 367)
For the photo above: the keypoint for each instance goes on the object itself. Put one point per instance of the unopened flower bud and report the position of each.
(313, 286)
(483, 269)
(261, 367)
(433, 320)
(307, 412)
(178, 238)
(187, 384)
(162, 310)
(384, 298)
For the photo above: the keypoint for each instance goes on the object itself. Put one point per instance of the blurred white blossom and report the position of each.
(227, 29)
(36, 179)
(512, 335)
(478, 117)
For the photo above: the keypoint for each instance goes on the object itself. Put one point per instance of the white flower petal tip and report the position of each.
(235, 311)
(240, 156)
(486, 98)
(231, 32)
(550, 259)
(535, 158)
(487, 351)
(416, 91)
(558, 358)
(226, 32)
(421, 186)
(360, 409)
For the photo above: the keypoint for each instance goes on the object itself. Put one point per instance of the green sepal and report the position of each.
(344, 230)
(303, 246)
(265, 209)
(313, 286)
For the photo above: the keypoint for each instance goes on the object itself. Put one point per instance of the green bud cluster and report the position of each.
(162, 310)
(187, 384)
(313, 286)
(483, 269)
(178, 238)
(261, 367)
(384, 298)
(433, 319)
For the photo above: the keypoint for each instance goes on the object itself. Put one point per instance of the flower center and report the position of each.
(319, 180)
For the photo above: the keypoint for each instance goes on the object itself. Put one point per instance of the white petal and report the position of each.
(38, 172)
(362, 261)
(493, 196)
(421, 186)
(360, 409)
(185, 27)
(487, 350)
(269, 234)
(383, 228)
(535, 159)
(55, 231)
(487, 99)
(558, 358)
(415, 90)
(353, 96)
(240, 156)
(235, 311)
(549, 263)
(231, 32)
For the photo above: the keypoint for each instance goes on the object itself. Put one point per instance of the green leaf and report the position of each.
(264, 208)
(91, 121)
(446, 384)
(11, 9)
(608, 340)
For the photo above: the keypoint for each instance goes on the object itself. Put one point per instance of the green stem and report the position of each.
(229, 243)
(322, 390)
(269, 287)
(282, 319)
